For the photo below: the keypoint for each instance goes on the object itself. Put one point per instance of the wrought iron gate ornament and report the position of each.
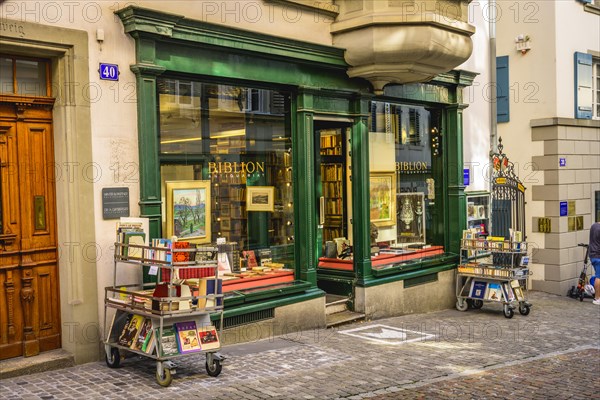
(508, 196)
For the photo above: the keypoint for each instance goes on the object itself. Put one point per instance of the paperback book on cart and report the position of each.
(187, 337)
(494, 291)
(209, 340)
(168, 342)
(131, 330)
(478, 289)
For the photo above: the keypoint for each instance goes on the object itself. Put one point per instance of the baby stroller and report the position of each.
(584, 288)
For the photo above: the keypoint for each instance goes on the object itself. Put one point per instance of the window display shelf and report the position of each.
(478, 212)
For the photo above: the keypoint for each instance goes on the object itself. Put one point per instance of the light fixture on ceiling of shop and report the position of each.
(230, 133)
(196, 139)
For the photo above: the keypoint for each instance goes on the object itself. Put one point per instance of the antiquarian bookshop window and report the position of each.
(406, 142)
(231, 144)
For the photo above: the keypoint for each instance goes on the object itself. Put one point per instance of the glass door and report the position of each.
(331, 189)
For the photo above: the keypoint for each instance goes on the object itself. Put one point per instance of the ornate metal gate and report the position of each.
(508, 196)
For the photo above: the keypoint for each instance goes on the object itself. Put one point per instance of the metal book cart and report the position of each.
(126, 301)
(493, 271)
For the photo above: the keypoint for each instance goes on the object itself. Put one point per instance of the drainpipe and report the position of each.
(493, 104)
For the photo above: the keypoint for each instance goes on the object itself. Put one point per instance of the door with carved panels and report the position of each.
(29, 292)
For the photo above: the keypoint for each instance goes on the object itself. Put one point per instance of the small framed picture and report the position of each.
(260, 198)
(225, 224)
(225, 208)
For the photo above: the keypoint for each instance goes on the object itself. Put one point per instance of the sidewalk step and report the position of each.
(335, 304)
(46, 361)
(343, 317)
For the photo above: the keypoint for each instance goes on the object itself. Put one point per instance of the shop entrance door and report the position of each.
(29, 292)
(331, 190)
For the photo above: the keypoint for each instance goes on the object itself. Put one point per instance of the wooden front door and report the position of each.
(29, 293)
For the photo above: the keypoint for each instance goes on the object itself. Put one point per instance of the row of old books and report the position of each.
(476, 269)
(132, 237)
(496, 291)
(180, 338)
(493, 245)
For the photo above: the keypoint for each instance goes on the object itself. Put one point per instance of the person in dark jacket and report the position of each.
(594, 254)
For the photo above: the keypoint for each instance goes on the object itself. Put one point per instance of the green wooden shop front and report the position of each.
(174, 48)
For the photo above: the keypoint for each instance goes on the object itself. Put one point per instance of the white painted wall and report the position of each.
(570, 14)
(533, 93)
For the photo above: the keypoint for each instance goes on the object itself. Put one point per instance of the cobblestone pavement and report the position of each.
(554, 352)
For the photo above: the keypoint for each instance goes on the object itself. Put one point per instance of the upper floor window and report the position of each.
(24, 76)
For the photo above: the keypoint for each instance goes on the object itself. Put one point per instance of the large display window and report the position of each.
(236, 140)
(405, 142)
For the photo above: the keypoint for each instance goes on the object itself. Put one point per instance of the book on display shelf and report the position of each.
(494, 291)
(130, 330)
(478, 289)
(143, 335)
(168, 341)
(187, 337)
(209, 339)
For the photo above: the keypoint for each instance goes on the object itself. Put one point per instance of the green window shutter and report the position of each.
(583, 85)
(502, 90)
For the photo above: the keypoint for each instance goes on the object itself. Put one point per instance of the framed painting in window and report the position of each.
(382, 186)
(260, 198)
(188, 210)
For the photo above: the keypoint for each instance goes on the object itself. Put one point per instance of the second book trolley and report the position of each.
(493, 270)
(165, 305)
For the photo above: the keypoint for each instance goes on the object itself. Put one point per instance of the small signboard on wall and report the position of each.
(544, 225)
(564, 208)
(115, 203)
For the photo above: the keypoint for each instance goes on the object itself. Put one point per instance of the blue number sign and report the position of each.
(109, 72)
(563, 209)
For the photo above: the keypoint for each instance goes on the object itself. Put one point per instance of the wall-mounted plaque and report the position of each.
(115, 203)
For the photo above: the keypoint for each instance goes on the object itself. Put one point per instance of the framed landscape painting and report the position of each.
(383, 198)
(188, 210)
(260, 198)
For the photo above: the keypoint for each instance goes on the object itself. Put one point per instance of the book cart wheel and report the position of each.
(477, 304)
(114, 359)
(462, 305)
(163, 376)
(213, 368)
(524, 308)
(508, 312)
